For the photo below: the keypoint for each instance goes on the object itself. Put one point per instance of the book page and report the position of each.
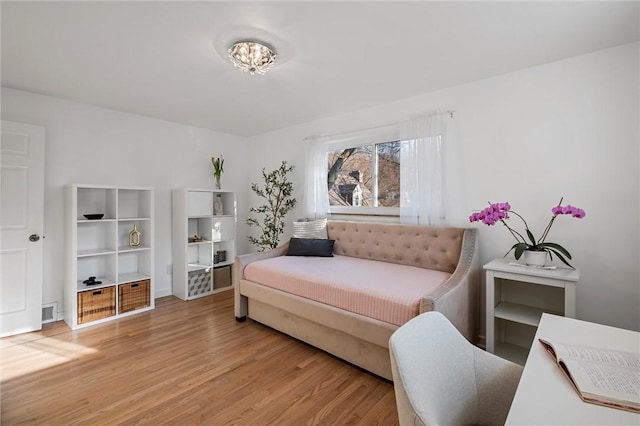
(604, 356)
(602, 374)
(608, 380)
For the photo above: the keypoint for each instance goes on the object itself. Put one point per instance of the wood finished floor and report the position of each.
(183, 363)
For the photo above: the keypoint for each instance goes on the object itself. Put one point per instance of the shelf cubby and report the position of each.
(94, 200)
(134, 266)
(223, 228)
(96, 236)
(134, 204)
(228, 246)
(126, 226)
(200, 254)
(103, 267)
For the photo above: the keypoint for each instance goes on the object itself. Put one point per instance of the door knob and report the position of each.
(34, 237)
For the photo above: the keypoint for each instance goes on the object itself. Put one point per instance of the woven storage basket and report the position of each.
(134, 295)
(96, 304)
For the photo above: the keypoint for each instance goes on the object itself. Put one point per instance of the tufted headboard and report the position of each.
(428, 247)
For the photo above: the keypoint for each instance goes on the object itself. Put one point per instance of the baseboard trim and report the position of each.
(162, 293)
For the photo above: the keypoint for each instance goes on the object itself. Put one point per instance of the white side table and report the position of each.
(517, 296)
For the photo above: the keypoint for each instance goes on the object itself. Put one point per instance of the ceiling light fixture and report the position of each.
(252, 57)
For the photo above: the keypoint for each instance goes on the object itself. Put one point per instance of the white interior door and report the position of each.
(21, 226)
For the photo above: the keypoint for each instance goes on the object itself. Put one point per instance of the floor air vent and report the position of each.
(49, 313)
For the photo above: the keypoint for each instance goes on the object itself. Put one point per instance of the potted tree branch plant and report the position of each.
(277, 192)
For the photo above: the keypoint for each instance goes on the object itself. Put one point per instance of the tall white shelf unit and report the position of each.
(100, 248)
(198, 269)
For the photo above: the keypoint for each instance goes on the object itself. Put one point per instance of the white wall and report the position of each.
(91, 145)
(568, 128)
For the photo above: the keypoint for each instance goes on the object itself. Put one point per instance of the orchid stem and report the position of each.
(526, 225)
(513, 232)
(548, 228)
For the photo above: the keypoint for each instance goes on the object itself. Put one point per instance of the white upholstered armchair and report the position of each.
(442, 379)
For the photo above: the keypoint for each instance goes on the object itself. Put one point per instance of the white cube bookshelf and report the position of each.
(194, 259)
(100, 248)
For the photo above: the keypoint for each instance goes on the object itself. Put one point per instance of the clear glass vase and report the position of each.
(217, 181)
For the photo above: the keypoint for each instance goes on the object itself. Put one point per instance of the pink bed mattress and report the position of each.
(384, 291)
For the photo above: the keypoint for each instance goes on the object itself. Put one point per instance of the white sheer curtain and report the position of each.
(316, 195)
(422, 174)
(427, 155)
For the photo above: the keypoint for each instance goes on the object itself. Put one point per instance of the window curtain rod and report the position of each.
(450, 113)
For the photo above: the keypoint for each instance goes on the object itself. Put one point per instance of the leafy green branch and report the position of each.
(277, 191)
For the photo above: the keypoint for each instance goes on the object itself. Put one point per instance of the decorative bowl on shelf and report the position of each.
(94, 216)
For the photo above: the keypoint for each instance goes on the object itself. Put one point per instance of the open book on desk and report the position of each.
(600, 376)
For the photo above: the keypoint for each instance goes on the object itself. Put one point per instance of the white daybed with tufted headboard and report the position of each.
(381, 276)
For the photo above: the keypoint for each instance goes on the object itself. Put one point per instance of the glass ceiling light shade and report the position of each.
(252, 57)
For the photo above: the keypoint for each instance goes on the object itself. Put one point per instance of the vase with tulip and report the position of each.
(218, 168)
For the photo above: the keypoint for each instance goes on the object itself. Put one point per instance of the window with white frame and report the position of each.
(390, 170)
(366, 176)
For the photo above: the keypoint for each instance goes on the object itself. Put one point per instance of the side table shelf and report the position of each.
(518, 312)
(516, 298)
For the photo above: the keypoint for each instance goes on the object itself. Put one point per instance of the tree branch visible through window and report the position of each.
(365, 176)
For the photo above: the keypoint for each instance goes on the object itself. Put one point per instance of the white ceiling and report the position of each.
(163, 59)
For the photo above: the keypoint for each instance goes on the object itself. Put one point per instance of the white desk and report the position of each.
(545, 396)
